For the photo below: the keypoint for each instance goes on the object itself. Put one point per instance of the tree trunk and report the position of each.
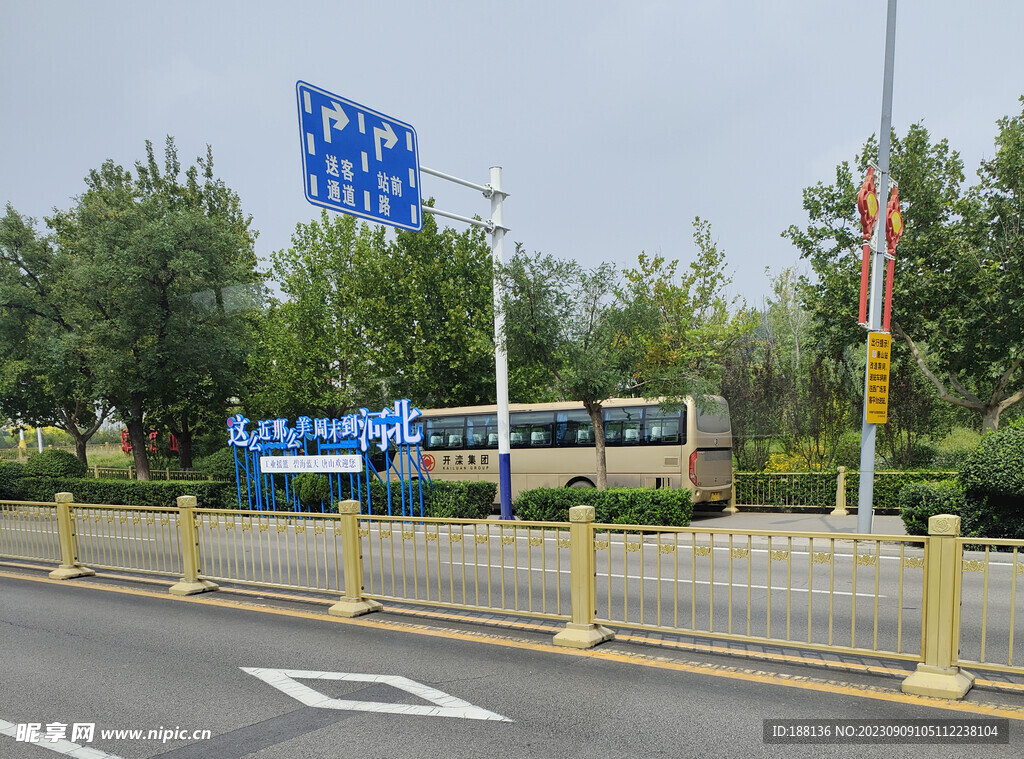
(80, 443)
(137, 437)
(184, 437)
(990, 418)
(597, 418)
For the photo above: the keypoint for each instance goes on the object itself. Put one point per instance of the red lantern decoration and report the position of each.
(867, 205)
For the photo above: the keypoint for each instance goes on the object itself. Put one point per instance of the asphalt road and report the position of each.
(73, 652)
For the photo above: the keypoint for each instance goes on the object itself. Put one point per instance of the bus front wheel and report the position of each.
(580, 482)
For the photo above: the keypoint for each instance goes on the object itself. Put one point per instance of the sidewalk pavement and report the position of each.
(794, 522)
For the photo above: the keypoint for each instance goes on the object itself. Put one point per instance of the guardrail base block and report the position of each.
(69, 573)
(353, 607)
(186, 588)
(582, 636)
(938, 682)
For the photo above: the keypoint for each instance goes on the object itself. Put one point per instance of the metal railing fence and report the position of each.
(825, 489)
(940, 600)
(517, 567)
(132, 538)
(128, 473)
(823, 591)
(271, 549)
(990, 569)
(28, 530)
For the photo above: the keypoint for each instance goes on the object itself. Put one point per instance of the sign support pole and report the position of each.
(865, 495)
(494, 226)
(500, 357)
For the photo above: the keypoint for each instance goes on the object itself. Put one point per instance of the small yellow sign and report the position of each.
(877, 396)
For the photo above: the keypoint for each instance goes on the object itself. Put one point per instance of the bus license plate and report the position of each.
(715, 496)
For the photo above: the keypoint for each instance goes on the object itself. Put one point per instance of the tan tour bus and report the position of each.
(552, 445)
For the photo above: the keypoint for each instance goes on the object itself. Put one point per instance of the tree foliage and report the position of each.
(45, 374)
(141, 291)
(959, 275)
(653, 332)
(366, 319)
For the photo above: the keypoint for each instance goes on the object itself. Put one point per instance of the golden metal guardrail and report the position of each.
(915, 599)
(133, 538)
(990, 567)
(823, 591)
(28, 530)
(518, 567)
(271, 549)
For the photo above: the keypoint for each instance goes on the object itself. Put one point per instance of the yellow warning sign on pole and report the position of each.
(877, 397)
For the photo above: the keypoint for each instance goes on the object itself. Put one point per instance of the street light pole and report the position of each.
(865, 495)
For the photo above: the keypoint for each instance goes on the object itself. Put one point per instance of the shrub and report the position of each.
(11, 473)
(661, 507)
(220, 464)
(211, 495)
(54, 462)
(312, 489)
(919, 501)
(460, 500)
(992, 478)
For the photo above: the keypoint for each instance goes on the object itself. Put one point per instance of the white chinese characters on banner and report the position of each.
(364, 428)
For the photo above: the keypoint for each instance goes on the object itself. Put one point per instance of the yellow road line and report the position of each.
(733, 673)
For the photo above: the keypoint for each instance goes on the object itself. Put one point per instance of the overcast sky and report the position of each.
(615, 122)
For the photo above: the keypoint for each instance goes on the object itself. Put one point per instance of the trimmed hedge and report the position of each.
(993, 481)
(921, 500)
(220, 464)
(988, 494)
(11, 473)
(645, 506)
(209, 495)
(54, 462)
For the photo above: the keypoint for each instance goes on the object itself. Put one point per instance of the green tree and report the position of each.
(366, 320)
(45, 374)
(561, 318)
(655, 333)
(678, 327)
(149, 254)
(433, 315)
(959, 275)
(315, 349)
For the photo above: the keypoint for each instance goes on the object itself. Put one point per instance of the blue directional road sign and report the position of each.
(358, 161)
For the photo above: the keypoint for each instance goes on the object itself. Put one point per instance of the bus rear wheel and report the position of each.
(580, 482)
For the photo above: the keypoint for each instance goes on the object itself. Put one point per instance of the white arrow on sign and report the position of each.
(386, 133)
(335, 114)
(444, 705)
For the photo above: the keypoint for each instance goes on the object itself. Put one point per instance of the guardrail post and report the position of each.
(938, 675)
(840, 509)
(188, 539)
(352, 604)
(732, 508)
(581, 632)
(69, 567)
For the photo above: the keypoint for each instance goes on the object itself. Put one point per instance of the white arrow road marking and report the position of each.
(445, 705)
(388, 134)
(337, 115)
(61, 746)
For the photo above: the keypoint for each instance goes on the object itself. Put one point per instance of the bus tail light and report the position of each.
(693, 468)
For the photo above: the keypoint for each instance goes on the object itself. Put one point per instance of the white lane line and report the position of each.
(61, 746)
(90, 535)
